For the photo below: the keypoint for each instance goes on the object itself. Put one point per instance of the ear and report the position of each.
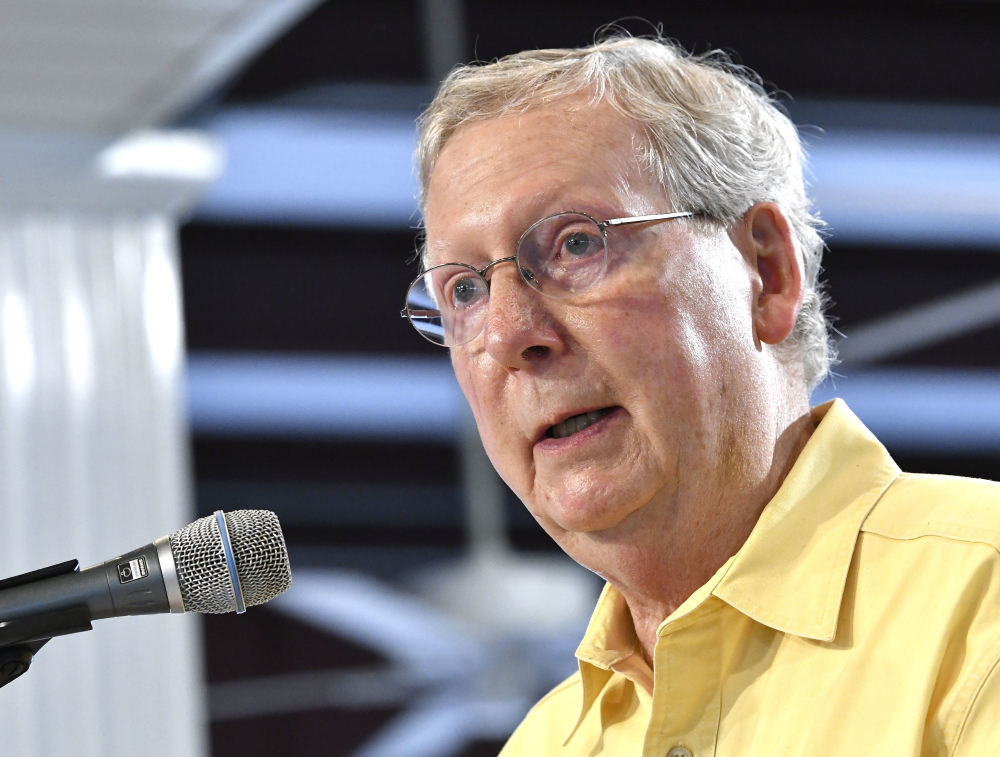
(768, 245)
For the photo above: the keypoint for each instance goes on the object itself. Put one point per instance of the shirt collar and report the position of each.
(610, 639)
(791, 571)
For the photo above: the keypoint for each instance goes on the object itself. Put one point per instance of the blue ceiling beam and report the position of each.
(418, 399)
(354, 169)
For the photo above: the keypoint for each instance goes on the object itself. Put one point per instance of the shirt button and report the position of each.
(679, 751)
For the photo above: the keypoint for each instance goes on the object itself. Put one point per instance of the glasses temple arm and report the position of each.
(645, 219)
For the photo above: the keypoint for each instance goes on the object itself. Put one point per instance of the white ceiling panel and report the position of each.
(70, 112)
(55, 48)
(50, 11)
(112, 66)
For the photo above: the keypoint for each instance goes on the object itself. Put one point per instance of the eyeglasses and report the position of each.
(560, 256)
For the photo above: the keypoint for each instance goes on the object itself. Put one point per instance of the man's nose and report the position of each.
(521, 330)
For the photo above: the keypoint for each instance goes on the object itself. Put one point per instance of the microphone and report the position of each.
(222, 563)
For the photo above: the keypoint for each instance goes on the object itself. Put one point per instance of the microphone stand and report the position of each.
(20, 639)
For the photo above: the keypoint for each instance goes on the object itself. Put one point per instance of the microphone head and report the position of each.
(259, 551)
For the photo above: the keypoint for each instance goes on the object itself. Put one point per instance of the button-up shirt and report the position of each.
(861, 617)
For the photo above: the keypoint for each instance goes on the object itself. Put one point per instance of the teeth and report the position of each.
(577, 423)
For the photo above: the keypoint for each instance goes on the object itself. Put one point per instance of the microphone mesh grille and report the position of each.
(261, 561)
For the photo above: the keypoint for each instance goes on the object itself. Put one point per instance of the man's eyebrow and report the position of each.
(440, 247)
(439, 244)
(544, 197)
(558, 197)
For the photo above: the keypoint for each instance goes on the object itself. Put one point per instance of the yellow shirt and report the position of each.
(861, 618)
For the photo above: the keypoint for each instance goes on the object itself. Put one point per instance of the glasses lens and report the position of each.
(562, 255)
(447, 304)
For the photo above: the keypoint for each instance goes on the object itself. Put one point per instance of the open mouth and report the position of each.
(577, 423)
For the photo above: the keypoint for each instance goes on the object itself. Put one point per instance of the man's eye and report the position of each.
(580, 244)
(465, 292)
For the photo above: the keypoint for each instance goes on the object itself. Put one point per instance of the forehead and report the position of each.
(496, 177)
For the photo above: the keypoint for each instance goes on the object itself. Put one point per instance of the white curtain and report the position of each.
(93, 462)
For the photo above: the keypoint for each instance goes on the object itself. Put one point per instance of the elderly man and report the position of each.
(621, 259)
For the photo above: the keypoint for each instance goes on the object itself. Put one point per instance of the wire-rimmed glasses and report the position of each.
(560, 256)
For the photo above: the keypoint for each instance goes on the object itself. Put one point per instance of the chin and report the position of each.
(586, 507)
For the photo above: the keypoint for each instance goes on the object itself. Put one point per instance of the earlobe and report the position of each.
(780, 270)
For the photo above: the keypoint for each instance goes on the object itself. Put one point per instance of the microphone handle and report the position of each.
(134, 584)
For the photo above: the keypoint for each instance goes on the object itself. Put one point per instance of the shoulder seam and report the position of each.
(948, 531)
(949, 507)
(946, 478)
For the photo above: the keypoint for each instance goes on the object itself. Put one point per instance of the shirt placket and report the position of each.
(687, 675)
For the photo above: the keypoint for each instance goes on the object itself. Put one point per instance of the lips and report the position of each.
(576, 423)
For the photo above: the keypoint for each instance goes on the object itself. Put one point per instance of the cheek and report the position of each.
(481, 396)
(712, 297)
(494, 421)
(714, 312)
(678, 333)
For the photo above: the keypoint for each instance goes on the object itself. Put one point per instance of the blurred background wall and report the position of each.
(428, 610)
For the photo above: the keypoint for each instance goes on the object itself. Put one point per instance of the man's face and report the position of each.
(659, 347)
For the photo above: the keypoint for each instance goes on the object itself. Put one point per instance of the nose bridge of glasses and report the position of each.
(483, 272)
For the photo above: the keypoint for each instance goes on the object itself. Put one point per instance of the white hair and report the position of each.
(714, 139)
